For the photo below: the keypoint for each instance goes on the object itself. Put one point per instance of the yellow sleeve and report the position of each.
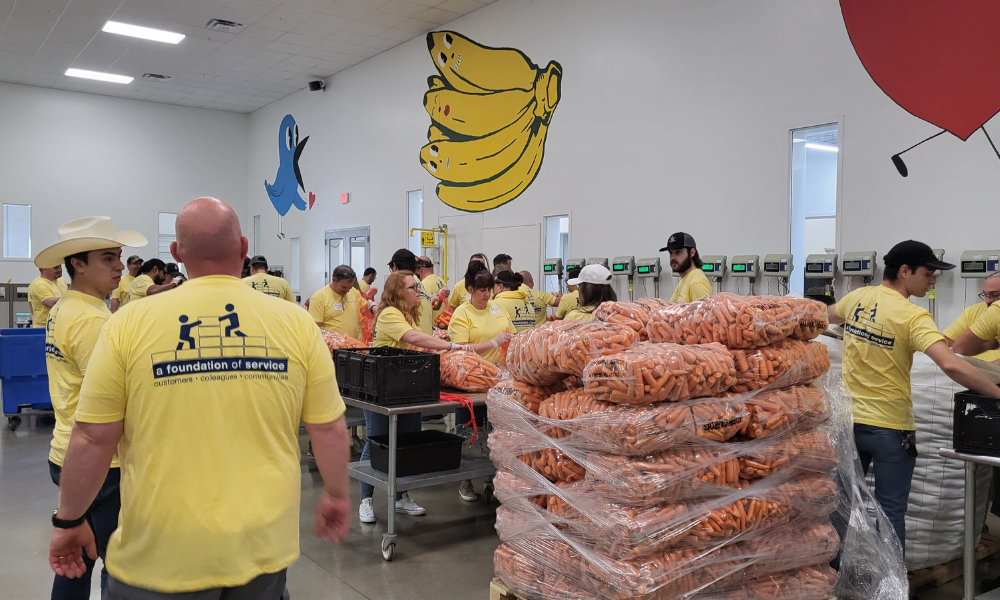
(117, 293)
(959, 325)
(460, 327)
(286, 293)
(392, 324)
(61, 284)
(699, 289)
(317, 307)
(987, 326)
(83, 337)
(102, 397)
(321, 402)
(566, 304)
(140, 286)
(923, 332)
(457, 293)
(543, 299)
(363, 285)
(40, 290)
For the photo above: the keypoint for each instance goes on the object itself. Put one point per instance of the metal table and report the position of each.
(969, 552)
(363, 471)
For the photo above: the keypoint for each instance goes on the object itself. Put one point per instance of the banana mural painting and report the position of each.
(490, 110)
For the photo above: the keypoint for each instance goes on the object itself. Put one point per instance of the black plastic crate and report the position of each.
(418, 452)
(388, 376)
(977, 424)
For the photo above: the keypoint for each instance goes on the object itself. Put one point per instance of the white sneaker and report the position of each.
(366, 512)
(407, 506)
(467, 492)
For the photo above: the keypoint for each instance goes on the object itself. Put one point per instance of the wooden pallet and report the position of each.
(938, 575)
(498, 591)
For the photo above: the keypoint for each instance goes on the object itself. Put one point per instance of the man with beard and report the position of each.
(152, 276)
(686, 262)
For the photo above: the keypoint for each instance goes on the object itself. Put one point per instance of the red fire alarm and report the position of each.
(345, 198)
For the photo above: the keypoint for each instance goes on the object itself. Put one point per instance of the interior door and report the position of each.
(465, 238)
(347, 247)
(523, 243)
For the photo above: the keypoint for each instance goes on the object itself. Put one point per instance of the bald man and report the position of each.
(210, 506)
(539, 299)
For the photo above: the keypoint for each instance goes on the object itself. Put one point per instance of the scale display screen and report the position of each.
(853, 265)
(618, 267)
(739, 268)
(814, 268)
(772, 267)
(645, 270)
(707, 267)
(974, 266)
(549, 268)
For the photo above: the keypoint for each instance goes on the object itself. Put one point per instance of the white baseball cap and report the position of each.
(596, 274)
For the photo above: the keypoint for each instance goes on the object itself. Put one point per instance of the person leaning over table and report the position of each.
(336, 307)
(685, 260)
(397, 326)
(152, 279)
(485, 324)
(541, 300)
(570, 300)
(510, 294)
(882, 330)
(459, 295)
(44, 292)
(119, 297)
(595, 289)
(367, 279)
(977, 330)
(432, 284)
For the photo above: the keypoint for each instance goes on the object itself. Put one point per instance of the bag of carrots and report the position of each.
(649, 373)
(548, 353)
(811, 316)
(467, 371)
(786, 363)
(771, 410)
(732, 320)
(632, 314)
(339, 341)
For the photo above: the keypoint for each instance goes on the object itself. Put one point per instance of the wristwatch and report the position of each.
(66, 524)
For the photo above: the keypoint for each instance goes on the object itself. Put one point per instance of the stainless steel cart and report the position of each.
(363, 471)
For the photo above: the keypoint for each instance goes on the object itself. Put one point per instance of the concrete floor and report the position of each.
(446, 554)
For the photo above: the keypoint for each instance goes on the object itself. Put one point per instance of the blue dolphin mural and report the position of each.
(284, 192)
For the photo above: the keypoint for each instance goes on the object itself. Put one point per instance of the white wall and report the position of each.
(72, 155)
(674, 116)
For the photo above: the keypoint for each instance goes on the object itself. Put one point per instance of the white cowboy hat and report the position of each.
(84, 235)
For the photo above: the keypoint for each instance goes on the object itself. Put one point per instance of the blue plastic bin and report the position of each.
(25, 391)
(22, 352)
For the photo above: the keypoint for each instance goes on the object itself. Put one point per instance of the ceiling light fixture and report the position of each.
(156, 35)
(826, 147)
(108, 77)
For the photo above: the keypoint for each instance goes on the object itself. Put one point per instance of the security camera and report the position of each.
(317, 86)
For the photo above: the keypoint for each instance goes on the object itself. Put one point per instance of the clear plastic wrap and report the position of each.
(523, 394)
(648, 373)
(773, 410)
(732, 320)
(547, 354)
(815, 582)
(632, 314)
(782, 364)
(654, 304)
(811, 317)
(340, 341)
(469, 372)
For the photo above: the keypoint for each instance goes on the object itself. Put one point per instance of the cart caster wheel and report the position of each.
(13, 422)
(387, 550)
(488, 492)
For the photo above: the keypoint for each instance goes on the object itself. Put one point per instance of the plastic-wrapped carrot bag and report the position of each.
(796, 406)
(550, 352)
(786, 363)
(467, 371)
(632, 314)
(732, 320)
(650, 373)
(811, 316)
(654, 304)
(339, 341)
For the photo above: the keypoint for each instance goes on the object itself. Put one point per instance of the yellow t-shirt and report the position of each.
(120, 293)
(987, 326)
(567, 303)
(519, 308)
(71, 333)
(541, 301)
(270, 285)
(337, 313)
(140, 287)
(42, 289)
(390, 327)
(426, 312)
(882, 332)
(691, 287)
(459, 295)
(471, 325)
(434, 284)
(964, 322)
(363, 285)
(211, 501)
(581, 313)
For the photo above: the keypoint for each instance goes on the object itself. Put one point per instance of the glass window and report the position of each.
(17, 231)
(415, 218)
(815, 155)
(293, 269)
(167, 233)
(556, 246)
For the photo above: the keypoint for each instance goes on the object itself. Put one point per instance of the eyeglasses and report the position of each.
(992, 296)
(415, 287)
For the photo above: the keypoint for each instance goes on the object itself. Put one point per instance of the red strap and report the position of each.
(467, 403)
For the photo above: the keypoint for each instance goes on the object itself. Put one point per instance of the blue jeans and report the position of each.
(893, 470)
(376, 424)
(102, 516)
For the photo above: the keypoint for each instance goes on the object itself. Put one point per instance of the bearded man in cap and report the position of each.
(686, 262)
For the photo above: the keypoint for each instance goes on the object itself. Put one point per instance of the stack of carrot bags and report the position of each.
(688, 455)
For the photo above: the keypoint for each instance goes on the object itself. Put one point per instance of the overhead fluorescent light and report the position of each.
(826, 147)
(109, 77)
(146, 33)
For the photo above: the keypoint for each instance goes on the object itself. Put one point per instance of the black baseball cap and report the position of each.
(679, 241)
(172, 269)
(915, 254)
(258, 260)
(403, 256)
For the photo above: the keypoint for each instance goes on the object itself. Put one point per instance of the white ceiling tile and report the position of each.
(438, 16)
(349, 10)
(348, 37)
(296, 39)
(319, 31)
(369, 28)
(397, 35)
(294, 14)
(289, 49)
(462, 7)
(403, 8)
(258, 32)
(303, 61)
(97, 60)
(426, 2)
(276, 24)
(380, 44)
(245, 17)
(315, 5)
(113, 43)
(40, 9)
(256, 6)
(416, 26)
(67, 34)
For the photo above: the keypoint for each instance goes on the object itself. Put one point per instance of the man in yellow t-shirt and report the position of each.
(44, 292)
(541, 300)
(152, 279)
(119, 297)
(977, 329)
(685, 260)
(270, 285)
(882, 330)
(206, 508)
(432, 284)
(91, 250)
(571, 299)
(336, 307)
(460, 295)
(367, 279)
